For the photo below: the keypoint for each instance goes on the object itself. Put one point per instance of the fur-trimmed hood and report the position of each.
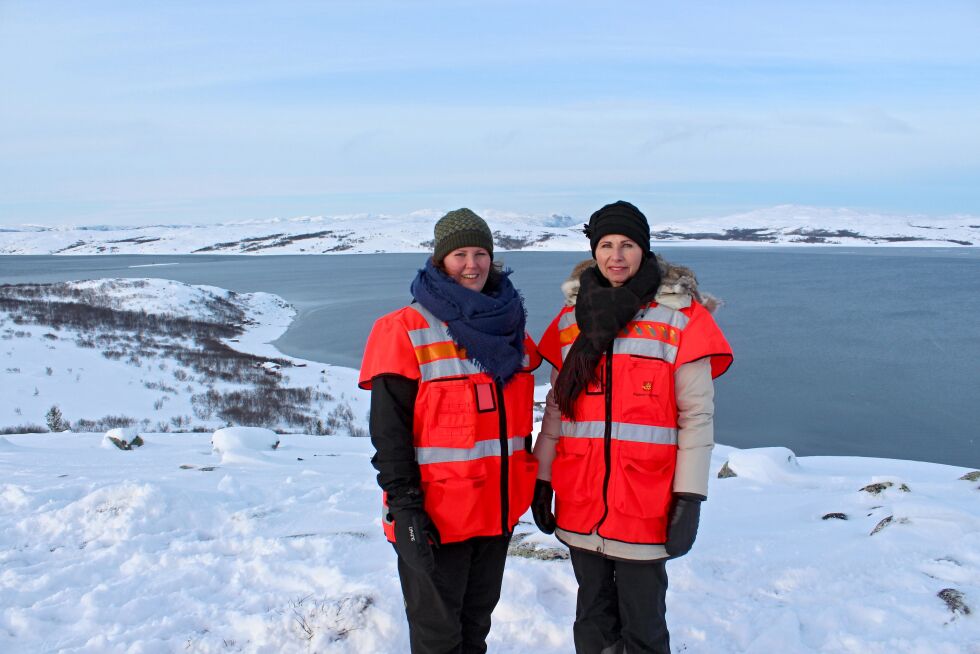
(678, 286)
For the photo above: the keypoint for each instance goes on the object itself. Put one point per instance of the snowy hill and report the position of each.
(413, 233)
(177, 547)
(161, 356)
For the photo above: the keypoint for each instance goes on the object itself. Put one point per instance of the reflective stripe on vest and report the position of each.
(440, 357)
(448, 368)
(622, 431)
(653, 332)
(480, 450)
(645, 347)
(666, 315)
(428, 336)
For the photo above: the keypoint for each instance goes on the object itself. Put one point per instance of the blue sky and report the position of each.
(187, 112)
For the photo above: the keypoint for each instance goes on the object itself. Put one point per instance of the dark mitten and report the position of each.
(541, 506)
(415, 533)
(682, 528)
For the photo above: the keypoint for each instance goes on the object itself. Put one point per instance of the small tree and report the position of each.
(56, 422)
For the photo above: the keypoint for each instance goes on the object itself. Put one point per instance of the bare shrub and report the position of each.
(342, 418)
(23, 429)
(105, 423)
(195, 344)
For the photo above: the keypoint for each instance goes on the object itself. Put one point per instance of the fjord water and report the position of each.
(848, 351)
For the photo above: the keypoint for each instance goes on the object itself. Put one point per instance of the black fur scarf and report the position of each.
(601, 311)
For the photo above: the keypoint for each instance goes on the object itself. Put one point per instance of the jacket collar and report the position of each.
(678, 286)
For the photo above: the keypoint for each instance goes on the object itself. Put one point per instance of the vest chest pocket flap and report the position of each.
(646, 395)
(449, 414)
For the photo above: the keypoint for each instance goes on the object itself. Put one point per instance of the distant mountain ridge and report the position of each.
(352, 234)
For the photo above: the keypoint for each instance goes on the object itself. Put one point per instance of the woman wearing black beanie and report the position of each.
(626, 441)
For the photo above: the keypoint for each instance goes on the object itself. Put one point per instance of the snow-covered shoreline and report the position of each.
(785, 225)
(210, 351)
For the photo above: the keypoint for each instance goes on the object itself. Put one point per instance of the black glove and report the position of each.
(415, 533)
(541, 506)
(682, 528)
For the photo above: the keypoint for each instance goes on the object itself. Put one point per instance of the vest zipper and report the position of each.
(504, 459)
(607, 437)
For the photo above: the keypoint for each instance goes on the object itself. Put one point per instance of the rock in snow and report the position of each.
(123, 438)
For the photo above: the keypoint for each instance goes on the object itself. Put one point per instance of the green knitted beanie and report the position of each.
(461, 229)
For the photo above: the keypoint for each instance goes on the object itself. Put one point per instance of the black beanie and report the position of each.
(619, 218)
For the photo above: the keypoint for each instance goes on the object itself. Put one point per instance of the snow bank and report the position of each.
(766, 465)
(244, 440)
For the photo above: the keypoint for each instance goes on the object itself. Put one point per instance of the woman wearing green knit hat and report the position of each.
(451, 413)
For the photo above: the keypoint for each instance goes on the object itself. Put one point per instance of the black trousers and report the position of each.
(449, 611)
(621, 605)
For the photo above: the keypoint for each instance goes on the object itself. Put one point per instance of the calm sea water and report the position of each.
(863, 351)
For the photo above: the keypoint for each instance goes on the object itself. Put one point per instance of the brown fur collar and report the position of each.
(678, 285)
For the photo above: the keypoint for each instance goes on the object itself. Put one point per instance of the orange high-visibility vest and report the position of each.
(614, 466)
(472, 436)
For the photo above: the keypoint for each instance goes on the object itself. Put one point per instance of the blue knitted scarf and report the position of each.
(489, 325)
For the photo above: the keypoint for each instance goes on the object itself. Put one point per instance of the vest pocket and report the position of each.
(449, 414)
(576, 472)
(459, 501)
(645, 391)
(642, 477)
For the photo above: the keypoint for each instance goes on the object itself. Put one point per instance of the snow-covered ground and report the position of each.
(174, 547)
(785, 224)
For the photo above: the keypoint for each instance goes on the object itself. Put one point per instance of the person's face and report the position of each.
(618, 258)
(469, 267)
